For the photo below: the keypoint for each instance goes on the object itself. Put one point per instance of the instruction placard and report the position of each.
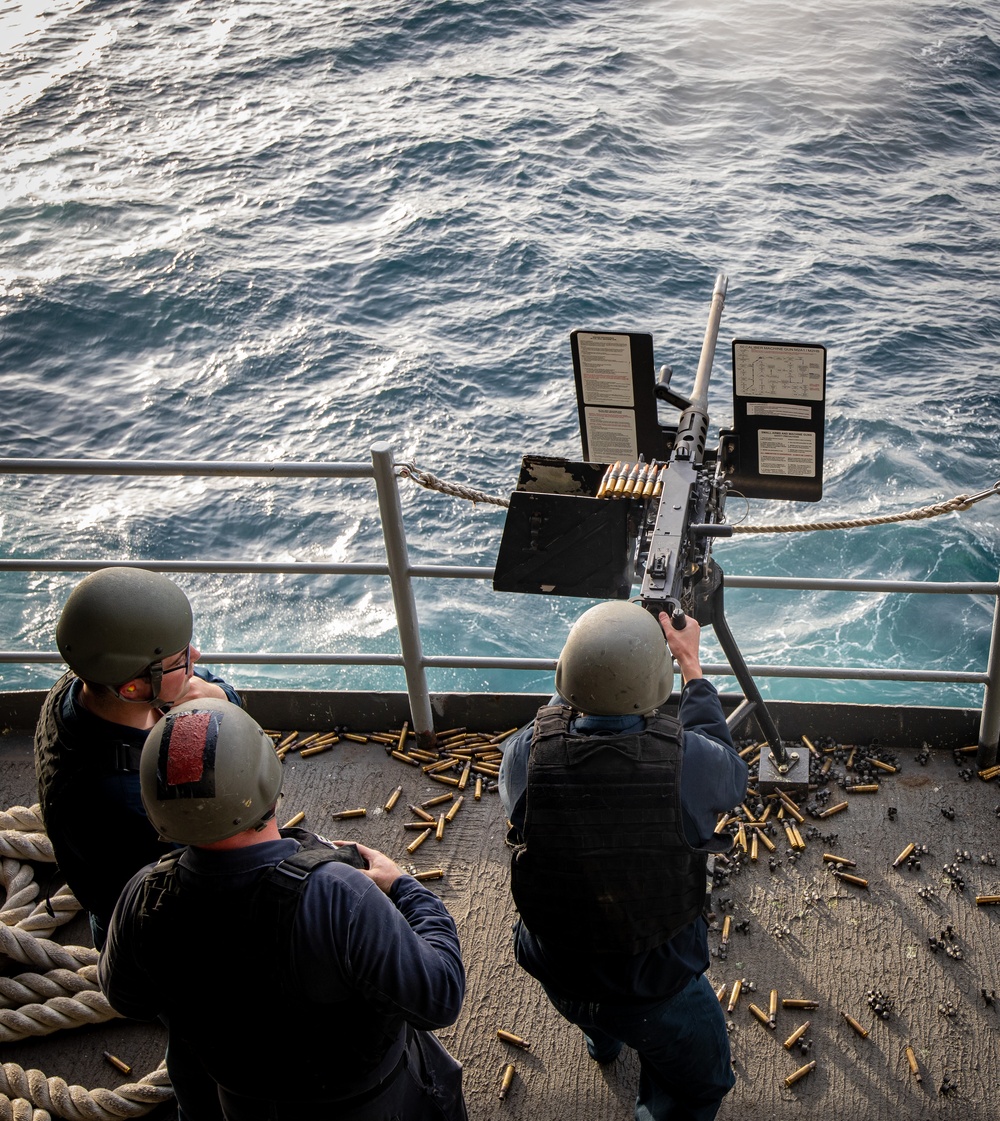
(786, 453)
(611, 435)
(606, 369)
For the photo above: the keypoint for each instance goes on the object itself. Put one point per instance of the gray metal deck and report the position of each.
(809, 935)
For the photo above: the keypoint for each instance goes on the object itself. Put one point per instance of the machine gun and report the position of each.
(594, 529)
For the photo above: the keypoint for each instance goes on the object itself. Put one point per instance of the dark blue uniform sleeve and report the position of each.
(513, 781)
(130, 991)
(713, 776)
(401, 951)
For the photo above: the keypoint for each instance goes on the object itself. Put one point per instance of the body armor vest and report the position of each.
(604, 864)
(222, 964)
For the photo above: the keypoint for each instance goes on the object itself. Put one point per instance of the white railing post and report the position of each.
(407, 625)
(989, 725)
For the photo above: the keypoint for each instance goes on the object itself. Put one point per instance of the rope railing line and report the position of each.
(959, 502)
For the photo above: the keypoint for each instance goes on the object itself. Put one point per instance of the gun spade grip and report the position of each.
(678, 620)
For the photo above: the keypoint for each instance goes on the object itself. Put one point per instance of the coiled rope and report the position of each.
(959, 502)
(65, 995)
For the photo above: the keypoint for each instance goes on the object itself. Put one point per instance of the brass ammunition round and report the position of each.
(911, 1058)
(754, 843)
(439, 800)
(355, 738)
(720, 993)
(377, 737)
(421, 813)
(863, 788)
(863, 1032)
(401, 741)
(987, 900)
(479, 790)
(390, 802)
(317, 750)
(832, 858)
(415, 826)
(119, 1063)
(903, 855)
(293, 821)
(609, 480)
(516, 1040)
(772, 1006)
(455, 807)
(734, 996)
(887, 767)
(741, 836)
(796, 1035)
(650, 484)
(340, 815)
(446, 779)
(430, 874)
(766, 841)
(404, 758)
(761, 1015)
(616, 490)
(418, 841)
(439, 831)
(989, 773)
(727, 922)
(505, 1082)
(791, 807)
(466, 771)
(800, 1003)
(848, 878)
(833, 809)
(800, 1073)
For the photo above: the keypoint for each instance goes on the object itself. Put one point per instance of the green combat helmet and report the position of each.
(208, 771)
(118, 622)
(615, 662)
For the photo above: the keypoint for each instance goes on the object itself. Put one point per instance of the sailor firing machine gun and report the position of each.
(648, 501)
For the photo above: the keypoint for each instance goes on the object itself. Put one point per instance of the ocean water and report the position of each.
(272, 231)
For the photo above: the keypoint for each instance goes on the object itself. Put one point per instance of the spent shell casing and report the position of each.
(987, 900)
(766, 841)
(404, 758)
(833, 809)
(848, 878)
(734, 996)
(796, 1035)
(863, 788)
(418, 841)
(791, 807)
(727, 922)
(446, 779)
(863, 1032)
(439, 831)
(911, 1058)
(318, 749)
(887, 767)
(438, 801)
(430, 874)
(804, 1004)
(355, 738)
(341, 814)
(903, 855)
(800, 1073)
(294, 820)
(390, 802)
(720, 992)
(401, 742)
(119, 1063)
(772, 1006)
(514, 1040)
(754, 847)
(506, 1080)
(421, 813)
(760, 1015)
(454, 808)
(478, 793)
(832, 858)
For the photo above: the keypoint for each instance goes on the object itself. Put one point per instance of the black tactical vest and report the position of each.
(222, 964)
(604, 865)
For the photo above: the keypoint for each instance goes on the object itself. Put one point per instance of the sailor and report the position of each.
(251, 931)
(125, 633)
(613, 807)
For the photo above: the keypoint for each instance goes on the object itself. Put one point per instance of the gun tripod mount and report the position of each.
(779, 769)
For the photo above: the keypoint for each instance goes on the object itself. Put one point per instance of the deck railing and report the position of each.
(401, 573)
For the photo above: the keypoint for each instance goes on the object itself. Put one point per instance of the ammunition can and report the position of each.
(800, 1073)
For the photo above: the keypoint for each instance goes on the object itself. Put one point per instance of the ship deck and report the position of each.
(795, 928)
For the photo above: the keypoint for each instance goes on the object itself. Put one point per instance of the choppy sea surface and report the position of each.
(284, 231)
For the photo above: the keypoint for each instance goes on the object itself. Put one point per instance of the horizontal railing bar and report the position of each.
(858, 673)
(819, 583)
(301, 568)
(193, 467)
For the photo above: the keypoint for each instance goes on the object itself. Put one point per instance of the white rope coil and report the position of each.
(76, 1103)
(29, 988)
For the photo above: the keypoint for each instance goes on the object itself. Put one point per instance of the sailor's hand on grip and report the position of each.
(684, 643)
